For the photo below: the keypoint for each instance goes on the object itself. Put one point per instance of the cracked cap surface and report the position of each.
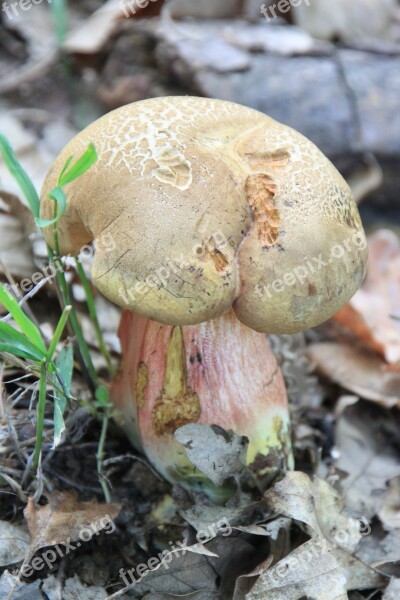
(198, 205)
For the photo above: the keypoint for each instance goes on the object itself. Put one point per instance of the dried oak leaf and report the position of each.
(363, 373)
(64, 517)
(325, 567)
(370, 314)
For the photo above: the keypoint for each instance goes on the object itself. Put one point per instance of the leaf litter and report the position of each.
(328, 533)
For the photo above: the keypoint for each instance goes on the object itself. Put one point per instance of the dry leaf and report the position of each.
(96, 31)
(369, 314)
(179, 575)
(217, 455)
(362, 373)
(64, 518)
(325, 567)
(367, 445)
(244, 583)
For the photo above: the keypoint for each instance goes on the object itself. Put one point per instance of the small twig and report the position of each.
(93, 315)
(27, 297)
(12, 284)
(40, 413)
(100, 454)
(15, 486)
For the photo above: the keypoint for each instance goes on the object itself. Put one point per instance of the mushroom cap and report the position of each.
(198, 205)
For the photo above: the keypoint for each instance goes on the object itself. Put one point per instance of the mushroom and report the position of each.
(226, 225)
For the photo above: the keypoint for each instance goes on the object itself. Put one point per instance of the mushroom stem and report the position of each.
(218, 373)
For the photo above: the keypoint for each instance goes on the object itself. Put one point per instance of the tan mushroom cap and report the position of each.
(198, 205)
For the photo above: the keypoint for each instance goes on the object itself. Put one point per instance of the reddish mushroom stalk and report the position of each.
(218, 373)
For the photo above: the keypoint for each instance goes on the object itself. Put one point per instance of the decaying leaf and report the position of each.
(370, 314)
(179, 575)
(363, 373)
(203, 516)
(325, 567)
(64, 518)
(244, 583)
(14, 543)
(217, 454)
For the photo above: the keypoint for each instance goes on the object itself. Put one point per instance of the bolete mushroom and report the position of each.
(227, 225)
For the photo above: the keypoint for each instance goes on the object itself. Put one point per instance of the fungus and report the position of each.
(226, 225)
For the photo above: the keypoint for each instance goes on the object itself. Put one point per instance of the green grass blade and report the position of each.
(26, 325)
(14, 342)
(82, 165)
(65, 167)
(40, 414)
(64, 363)
(59, 8)
(58, 332)
(20, 176)
(61, 200)
(102, 397)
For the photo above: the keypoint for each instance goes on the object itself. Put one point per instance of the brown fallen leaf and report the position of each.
(363, 373)
(370, 313)
(326, 566)
(64, 519)
(244, 583)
